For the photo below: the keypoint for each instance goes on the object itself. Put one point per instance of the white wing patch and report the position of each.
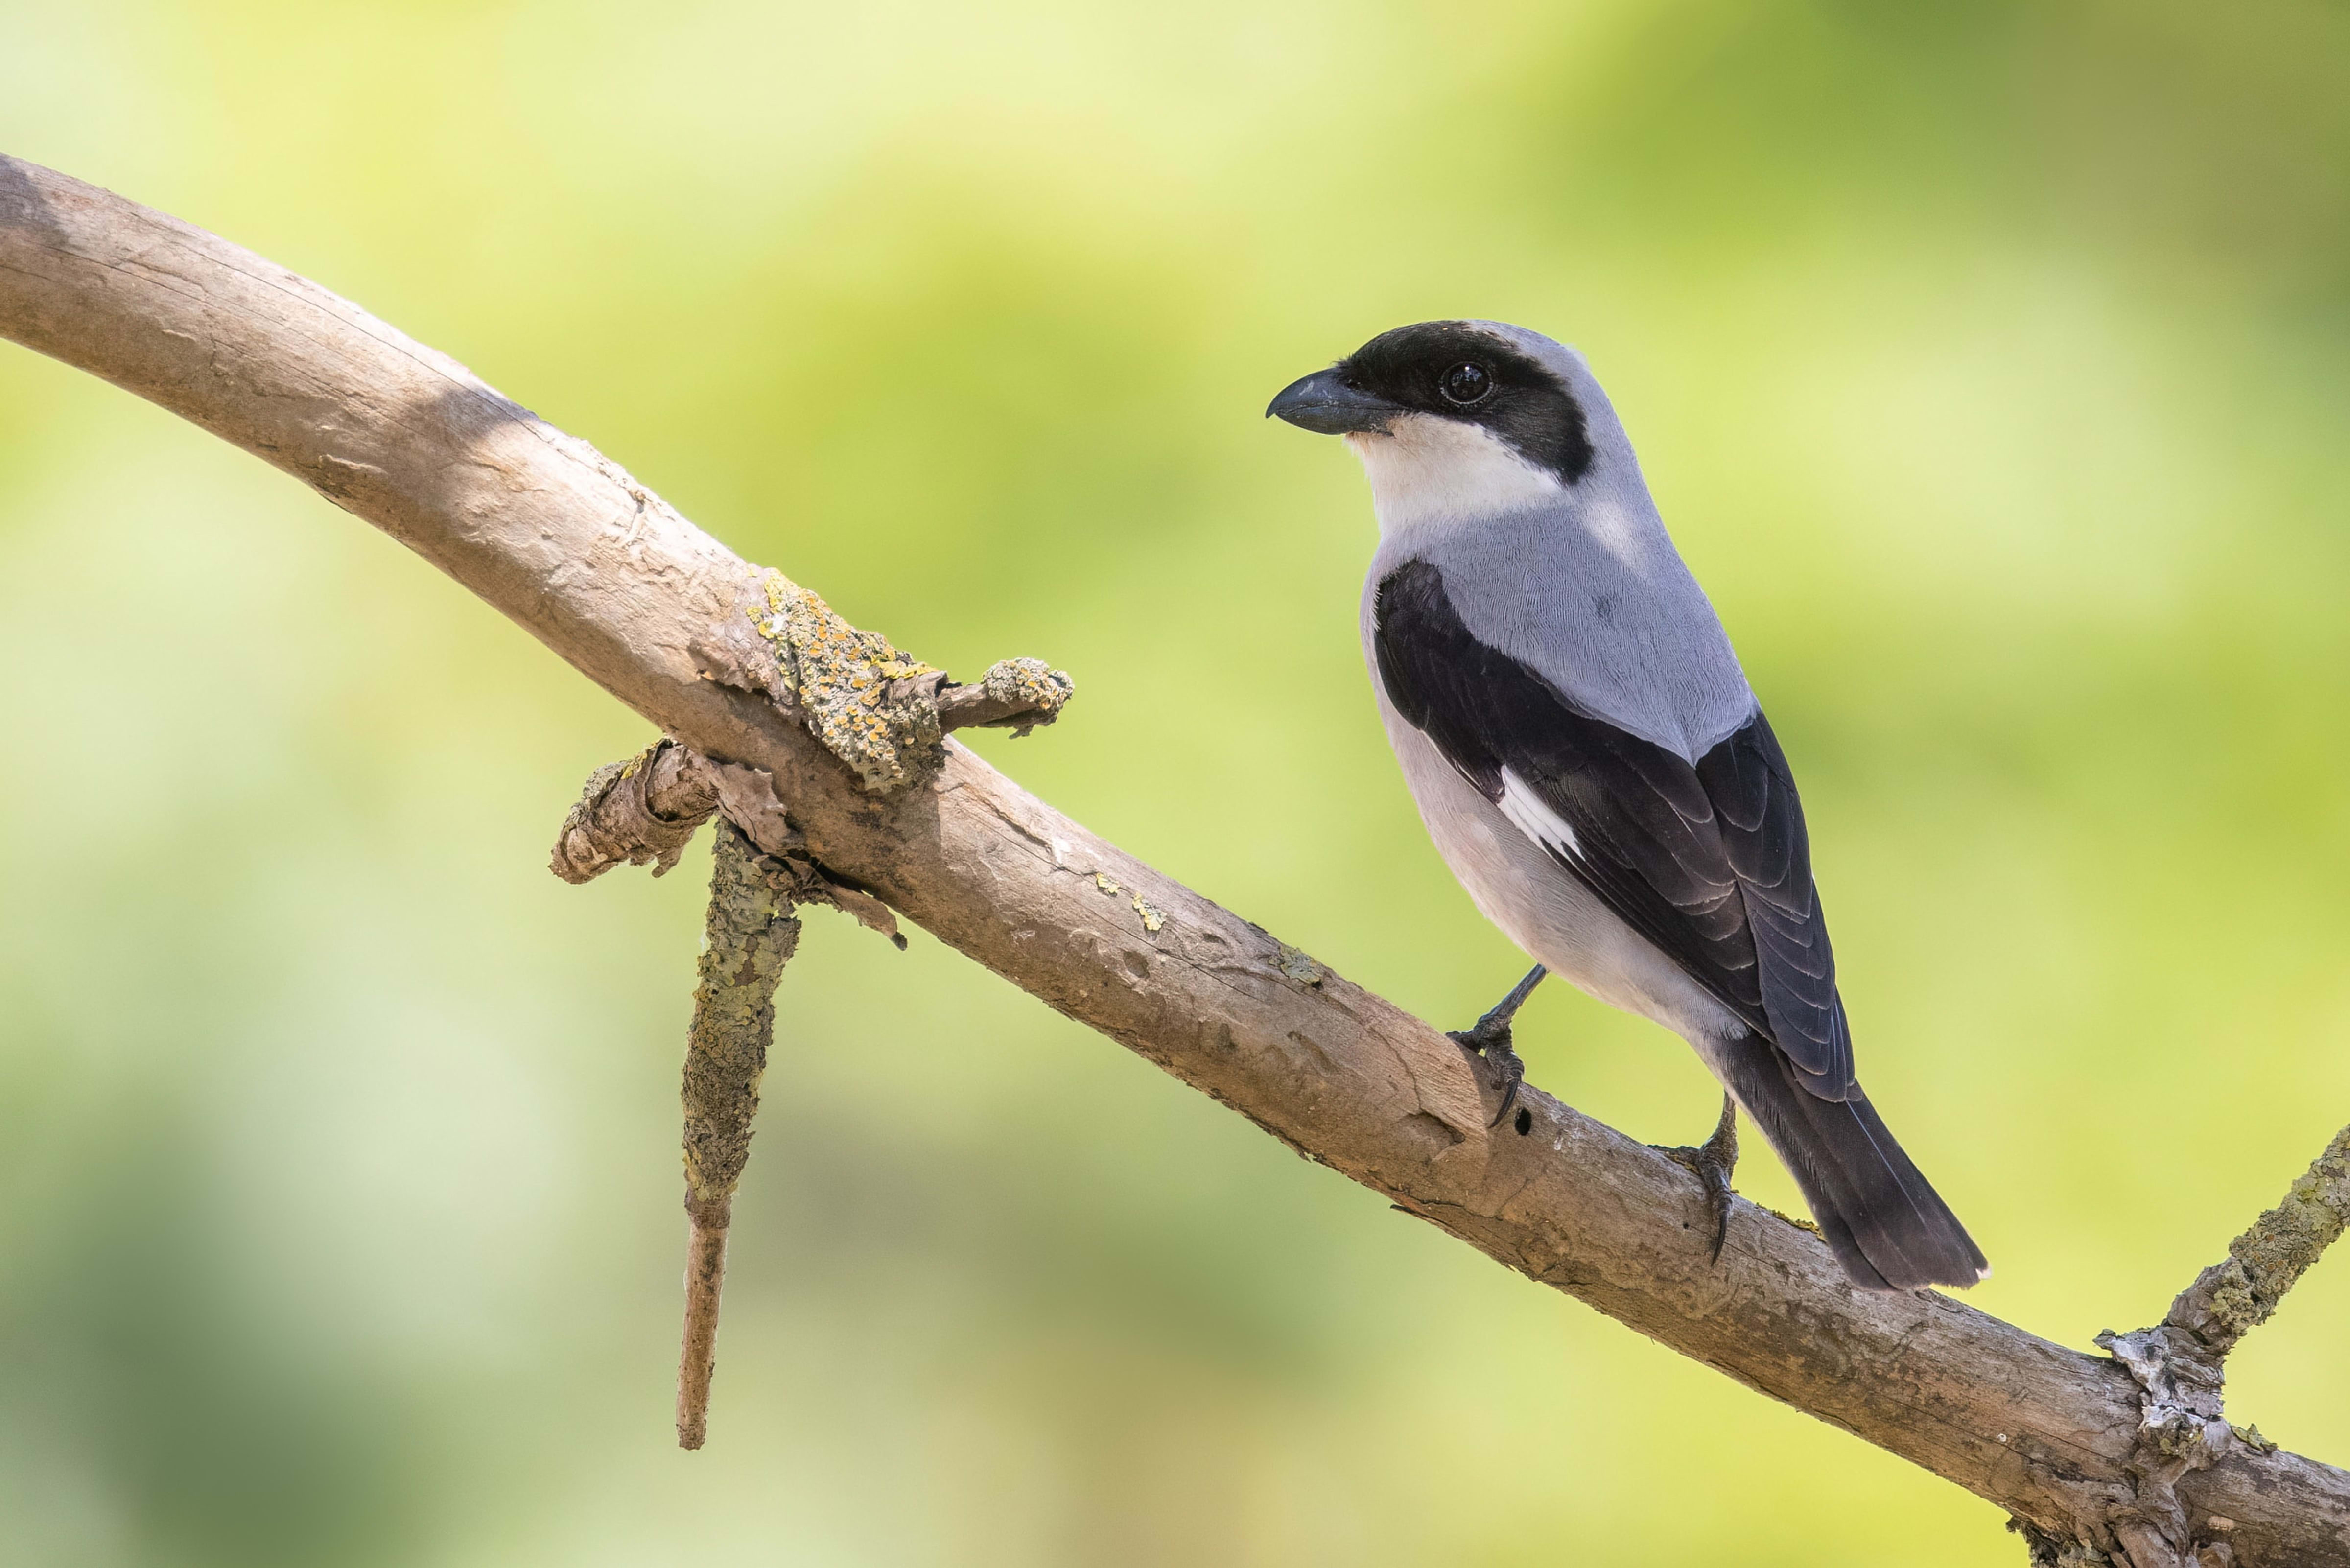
(1529, 814)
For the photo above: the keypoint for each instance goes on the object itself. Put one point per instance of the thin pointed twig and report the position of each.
(705, 1278)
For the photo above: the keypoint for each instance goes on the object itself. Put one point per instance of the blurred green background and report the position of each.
(1991, 363)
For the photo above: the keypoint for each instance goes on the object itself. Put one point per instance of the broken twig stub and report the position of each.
(639, 812)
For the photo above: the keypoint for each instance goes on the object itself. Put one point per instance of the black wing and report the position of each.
(1711, 863)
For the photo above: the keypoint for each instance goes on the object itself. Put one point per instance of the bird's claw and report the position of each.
(1490, 1038)
(1713, 1161)
(1494, 1045)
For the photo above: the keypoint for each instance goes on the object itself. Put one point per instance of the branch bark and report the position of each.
(664, 618)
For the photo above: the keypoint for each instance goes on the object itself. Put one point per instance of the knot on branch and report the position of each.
(747, 798)
(2181, 1395)
(2180, 1428)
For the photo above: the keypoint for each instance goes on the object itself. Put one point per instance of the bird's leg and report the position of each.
(1713, 1161)
(1490, 1038)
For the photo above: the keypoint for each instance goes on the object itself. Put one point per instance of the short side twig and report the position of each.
(636, 813)
(1017, 694)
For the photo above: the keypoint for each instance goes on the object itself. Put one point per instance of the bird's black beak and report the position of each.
(1324, 403)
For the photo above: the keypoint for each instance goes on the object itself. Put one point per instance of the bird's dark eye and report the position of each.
(1466, 383)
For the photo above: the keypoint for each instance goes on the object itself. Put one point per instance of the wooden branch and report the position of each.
(661, 614)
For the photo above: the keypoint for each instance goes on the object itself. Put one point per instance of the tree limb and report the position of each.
(570, 545)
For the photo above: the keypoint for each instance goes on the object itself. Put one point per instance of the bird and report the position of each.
(1586, 754)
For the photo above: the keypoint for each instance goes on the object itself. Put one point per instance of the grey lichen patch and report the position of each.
(1298, 966)
(750, 935)
(1030, 688)
(2179, 1429)
(2233, 1307)
(2289, 1238)
(1153, 916)
(841, 677)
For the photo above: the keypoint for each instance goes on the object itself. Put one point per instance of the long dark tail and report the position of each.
(1884, 1221)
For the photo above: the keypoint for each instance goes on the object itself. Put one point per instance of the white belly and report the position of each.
(1540, 905)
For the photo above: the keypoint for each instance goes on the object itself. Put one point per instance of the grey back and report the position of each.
(1586, 589)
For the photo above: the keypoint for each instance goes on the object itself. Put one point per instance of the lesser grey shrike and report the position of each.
(1592, 764)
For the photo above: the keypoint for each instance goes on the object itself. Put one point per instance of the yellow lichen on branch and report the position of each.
(841, 677)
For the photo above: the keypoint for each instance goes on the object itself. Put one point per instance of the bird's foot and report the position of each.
(1490, 1038)
(1713, 1161)
(1493, 1044)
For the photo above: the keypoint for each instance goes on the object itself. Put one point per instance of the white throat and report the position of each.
(1434, 470)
